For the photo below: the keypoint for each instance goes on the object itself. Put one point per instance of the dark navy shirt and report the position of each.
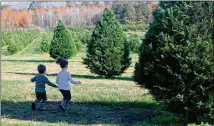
(41, 80)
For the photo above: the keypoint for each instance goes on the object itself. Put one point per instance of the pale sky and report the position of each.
(25, 5)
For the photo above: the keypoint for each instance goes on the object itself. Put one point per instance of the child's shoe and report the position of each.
(62, 107)
(33, 106)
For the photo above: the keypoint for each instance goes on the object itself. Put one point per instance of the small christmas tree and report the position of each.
(76, 40)
(62, 44)
(107, 54)
(45, 44)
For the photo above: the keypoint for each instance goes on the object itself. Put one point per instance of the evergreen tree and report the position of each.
(45, 43)
(126, 60)
(176, 60)
(62, 44)
(76, 40)
(107, 53)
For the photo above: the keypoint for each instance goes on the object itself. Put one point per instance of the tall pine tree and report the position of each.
(107, 53)
(62, 44)
(176, 60)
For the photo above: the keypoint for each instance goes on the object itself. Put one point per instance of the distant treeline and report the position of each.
(87, 13)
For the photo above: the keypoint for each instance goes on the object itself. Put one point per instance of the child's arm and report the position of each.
(73, 81)
(33, 79)
(49, 83)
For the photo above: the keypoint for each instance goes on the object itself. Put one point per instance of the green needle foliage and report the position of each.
(176, 60)
(107, 51)
(62, 44)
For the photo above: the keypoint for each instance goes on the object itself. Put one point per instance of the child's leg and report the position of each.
(44, 99)
(66, 98)
(36, 101)
(34, 104)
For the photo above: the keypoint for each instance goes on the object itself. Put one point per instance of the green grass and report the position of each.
(98, 101)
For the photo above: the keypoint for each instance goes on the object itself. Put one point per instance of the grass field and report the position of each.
(98, 101)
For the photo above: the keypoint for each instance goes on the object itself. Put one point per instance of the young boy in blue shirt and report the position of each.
(40, 91)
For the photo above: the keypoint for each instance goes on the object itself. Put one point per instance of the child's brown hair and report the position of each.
(62, 62)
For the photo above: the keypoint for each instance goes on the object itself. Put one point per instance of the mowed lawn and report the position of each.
(97, 101)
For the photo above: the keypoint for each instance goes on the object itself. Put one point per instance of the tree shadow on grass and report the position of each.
(100, 77)
(82, 113)
(82, 76)
(37, 61)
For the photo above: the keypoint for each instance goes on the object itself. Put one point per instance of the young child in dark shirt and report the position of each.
(40, 91)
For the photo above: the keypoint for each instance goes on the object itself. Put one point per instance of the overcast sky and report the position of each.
(25, 5)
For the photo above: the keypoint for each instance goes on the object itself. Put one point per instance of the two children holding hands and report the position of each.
(62, 80)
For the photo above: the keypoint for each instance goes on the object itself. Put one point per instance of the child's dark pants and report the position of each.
(40, 96)
(66, 97)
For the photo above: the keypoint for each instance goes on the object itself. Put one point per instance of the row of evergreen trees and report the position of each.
(176, 61)
(107, 50)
